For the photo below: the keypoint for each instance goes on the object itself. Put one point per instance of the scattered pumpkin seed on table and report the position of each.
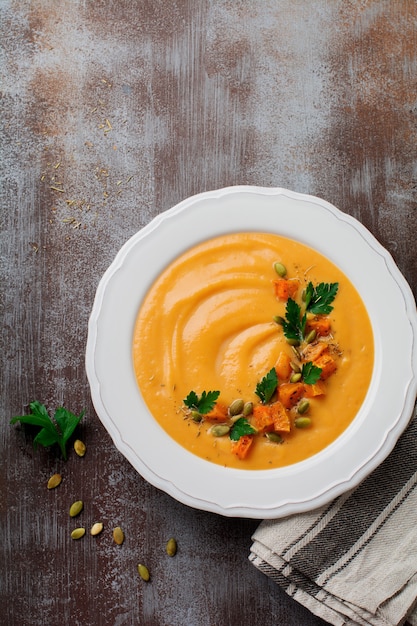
(171, 547)
(118, 535)
(76, 508)
(80, 447)
(54, 481)
(77, 533)
(96, 529)
(143, 572)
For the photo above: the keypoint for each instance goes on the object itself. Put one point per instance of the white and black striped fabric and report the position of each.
(353, 561)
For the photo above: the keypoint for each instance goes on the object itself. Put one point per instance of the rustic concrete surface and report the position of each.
(113, 111)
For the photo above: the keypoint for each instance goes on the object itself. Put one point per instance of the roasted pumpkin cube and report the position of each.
(262, 418)
(290, 393)
(321, 324)
(327, 364)
(314, 350)
(280, 417)
(316, 390)
(283, 366)
(219, 413)
(285, 288)
(242, 446)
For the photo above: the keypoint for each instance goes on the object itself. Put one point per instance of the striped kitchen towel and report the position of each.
(353, 561)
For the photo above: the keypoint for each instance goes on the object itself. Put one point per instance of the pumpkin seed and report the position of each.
(76, 508)
(77, 533)
(311, 336)
(302, 422)
(236, 407)
(80, 447)
(295, 367)
(143, 572)
(295, 378)
(293, 342)
(96, 529)
(280, 269)
(219, 430)
(54, 481)
(303, 407)
(118, 535)
(196, 416)
(171, 547)
(296, 352)
(279, 320)
(247, 409)
(274, 437)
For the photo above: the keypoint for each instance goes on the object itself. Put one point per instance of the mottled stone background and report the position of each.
(112, 112)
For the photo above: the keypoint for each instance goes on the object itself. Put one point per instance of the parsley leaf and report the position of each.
(310, 373)
(266, 387)
(191, 401)
(53, 431)
(202, 404)
(240, 428)
(294, 324)
(319, 299)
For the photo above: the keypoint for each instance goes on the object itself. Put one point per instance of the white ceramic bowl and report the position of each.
(373, 433)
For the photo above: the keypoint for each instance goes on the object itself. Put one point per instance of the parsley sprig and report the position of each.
(265, 389)
(318, 299)
(203, 403)
(53, 431)
(294, 323)
(240, 428)
(310, 373)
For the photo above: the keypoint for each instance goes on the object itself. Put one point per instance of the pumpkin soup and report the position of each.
(253, 351)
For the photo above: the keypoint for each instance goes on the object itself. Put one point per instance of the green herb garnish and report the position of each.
(318, 299)
(294, 323)
(204, 403)
(265, 389)
(57, 430)
(310, 373)
(240, 428)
